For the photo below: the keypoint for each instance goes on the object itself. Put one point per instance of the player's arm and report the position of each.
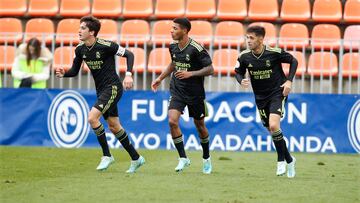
(73, 71)
(165, 73)
(286, 57)
(128, 80)
(240, 74)
(122, 52)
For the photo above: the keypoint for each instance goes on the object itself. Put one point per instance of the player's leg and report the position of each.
(204, 140)
(198, 112)
(120, 133)
(105, 99)
(174, 113)
(98, 127)
(274, 129)
(264, 112)
(276, 112)
(204, 136)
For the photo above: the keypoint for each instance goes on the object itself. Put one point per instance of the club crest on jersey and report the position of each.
(268, 64)
(97, 55)
(187, 57)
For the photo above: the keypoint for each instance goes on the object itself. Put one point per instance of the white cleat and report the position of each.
(207, 167)
(281, 168)
(291, 168)
(183, 162)
(105, 162)
(136, 164)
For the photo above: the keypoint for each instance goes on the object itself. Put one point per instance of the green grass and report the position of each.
(69, 175)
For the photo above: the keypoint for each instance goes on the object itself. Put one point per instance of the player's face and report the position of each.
(253, 41)
(176, 32)
(84, 33)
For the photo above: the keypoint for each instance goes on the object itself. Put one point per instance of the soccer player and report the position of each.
(271, 88)
(99, 54)
(190, 63)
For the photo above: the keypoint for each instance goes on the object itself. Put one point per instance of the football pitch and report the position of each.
(30, 174)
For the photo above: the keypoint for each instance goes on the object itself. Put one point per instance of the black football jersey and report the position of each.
(265, 70)
(192, 57)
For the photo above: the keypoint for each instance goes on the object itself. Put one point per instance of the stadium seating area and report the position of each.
(311, 29)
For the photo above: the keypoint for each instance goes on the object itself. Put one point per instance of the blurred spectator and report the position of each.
(31, 66)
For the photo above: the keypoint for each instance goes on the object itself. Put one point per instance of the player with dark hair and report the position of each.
(99, 54)
(190, 63)
(271, 88)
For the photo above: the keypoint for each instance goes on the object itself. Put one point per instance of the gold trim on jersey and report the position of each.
(274, 49)
(104, 42)
(113, 95)
(196, 45)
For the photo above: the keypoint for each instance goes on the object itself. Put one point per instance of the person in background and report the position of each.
(31, 66)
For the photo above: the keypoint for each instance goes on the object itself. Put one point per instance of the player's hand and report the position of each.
(59, 72)
(287, 87)
(155, 84)
(183, 74)
(245, 83)
(128, 82)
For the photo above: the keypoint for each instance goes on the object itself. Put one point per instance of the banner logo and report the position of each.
(67, 119)
(353, 126)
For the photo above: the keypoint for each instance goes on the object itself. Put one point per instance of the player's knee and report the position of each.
(273, 127)
(173, 123)
(113, 128)
(92, 120)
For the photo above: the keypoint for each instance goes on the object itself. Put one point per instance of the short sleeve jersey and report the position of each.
(192, 57)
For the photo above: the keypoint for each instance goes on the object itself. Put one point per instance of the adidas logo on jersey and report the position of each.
(250, 65)
(101, 106)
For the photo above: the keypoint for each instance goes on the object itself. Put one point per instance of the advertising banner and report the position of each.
(321, 123)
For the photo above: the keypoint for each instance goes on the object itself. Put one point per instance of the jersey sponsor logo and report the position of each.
(94, 65)
(353, 126)
(67, 119)
(261, 74)
(267, 62)
(98, 55)
(182, 66)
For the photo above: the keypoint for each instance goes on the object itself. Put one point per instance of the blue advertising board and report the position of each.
(322, 123)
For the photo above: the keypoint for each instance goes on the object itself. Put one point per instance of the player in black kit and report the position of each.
(190, 63)
(271, 88)
(98, 54)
